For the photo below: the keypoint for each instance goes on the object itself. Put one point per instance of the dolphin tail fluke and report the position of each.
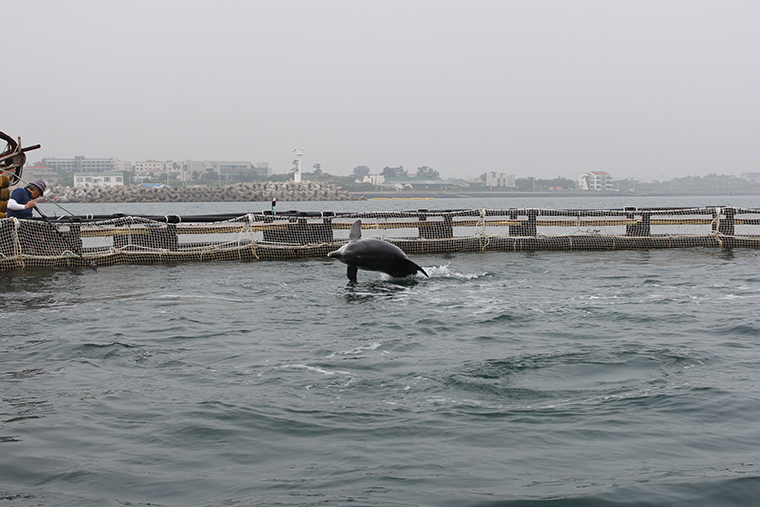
(351, 273)
(419, 269)
(405, 268)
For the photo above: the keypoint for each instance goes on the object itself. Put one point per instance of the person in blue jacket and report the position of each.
(22, 200)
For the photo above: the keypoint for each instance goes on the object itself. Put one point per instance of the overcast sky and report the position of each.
(651, 89)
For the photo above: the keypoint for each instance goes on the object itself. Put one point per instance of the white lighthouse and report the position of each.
(297, 173)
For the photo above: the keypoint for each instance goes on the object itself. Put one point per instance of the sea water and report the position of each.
(547, 378)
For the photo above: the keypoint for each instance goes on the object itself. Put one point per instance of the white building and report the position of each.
(150, 165)
(99, 179)
(494, 179)
(375, 179)
(597, 181)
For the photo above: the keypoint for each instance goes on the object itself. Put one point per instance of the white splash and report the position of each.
(446, 271)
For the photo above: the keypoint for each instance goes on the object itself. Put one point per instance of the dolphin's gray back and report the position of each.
(378, 255)
(373, 255)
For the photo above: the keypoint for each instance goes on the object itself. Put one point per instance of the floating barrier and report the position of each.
(140, 239)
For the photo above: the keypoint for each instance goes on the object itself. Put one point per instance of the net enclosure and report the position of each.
(139, 239)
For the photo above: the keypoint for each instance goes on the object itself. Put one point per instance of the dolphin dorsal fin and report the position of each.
(356, 231)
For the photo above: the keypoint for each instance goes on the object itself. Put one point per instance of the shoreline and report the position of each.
(314, 192)
(412, 194)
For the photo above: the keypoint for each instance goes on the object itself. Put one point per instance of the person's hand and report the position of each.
(30, 204)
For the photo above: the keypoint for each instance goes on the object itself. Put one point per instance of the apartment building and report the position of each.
(597, 181)
(84, 164)
(494, 179)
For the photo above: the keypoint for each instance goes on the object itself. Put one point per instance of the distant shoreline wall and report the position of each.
(305, 191)
(419, 194)
(239, 192)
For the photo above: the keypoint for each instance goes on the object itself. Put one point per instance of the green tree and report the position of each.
(530, 184)
(361, 171)
(210, 177)
(66, 178)
(559, 181)
(426, 172)
(394, 172)
(525, 184)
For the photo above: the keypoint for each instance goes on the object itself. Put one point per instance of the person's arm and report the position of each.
(12, 204)
(15, 206)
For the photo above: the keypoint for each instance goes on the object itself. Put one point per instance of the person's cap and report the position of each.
(40, 184)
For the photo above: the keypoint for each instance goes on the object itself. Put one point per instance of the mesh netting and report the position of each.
(72, 241)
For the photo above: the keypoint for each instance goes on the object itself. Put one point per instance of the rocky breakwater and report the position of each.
(239, 192)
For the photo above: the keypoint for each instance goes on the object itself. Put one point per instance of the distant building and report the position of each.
(229, 167)
(226, 167)
(220, 166)
(494, 179)
(597, 181)
(375, 179)
(39, 171)
(183, 170)
(149, 174)
(263, 169)
(755, 177)
(99, 179)
(458, 182)
(151, 165)
(421, 184)
(87, 164)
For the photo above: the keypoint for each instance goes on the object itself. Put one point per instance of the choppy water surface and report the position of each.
(558, 378)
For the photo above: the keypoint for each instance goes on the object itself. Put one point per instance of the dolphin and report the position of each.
(373, 255)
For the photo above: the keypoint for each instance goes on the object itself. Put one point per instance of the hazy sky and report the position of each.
(533, 88)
